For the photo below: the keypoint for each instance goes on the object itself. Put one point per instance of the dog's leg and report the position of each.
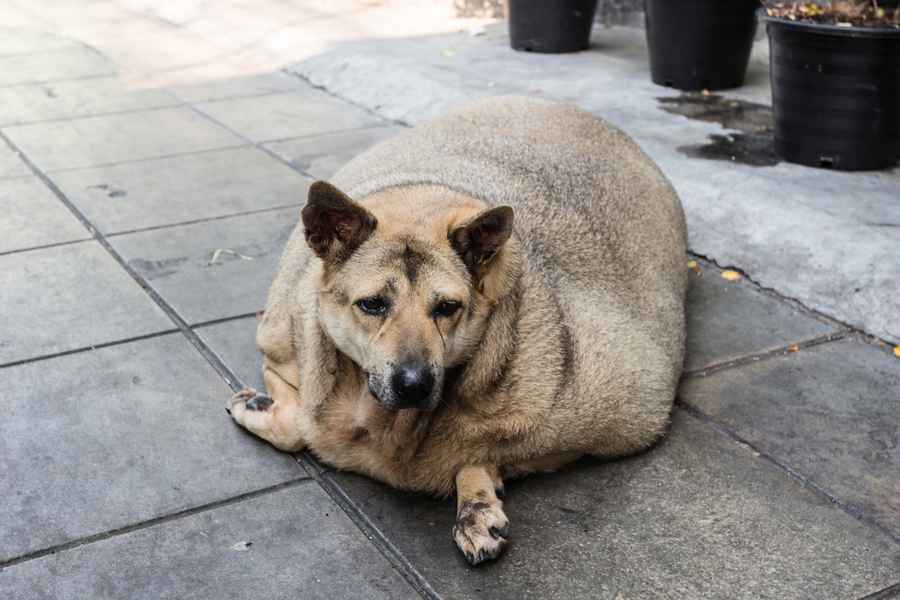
(481, 526)
(273, 416)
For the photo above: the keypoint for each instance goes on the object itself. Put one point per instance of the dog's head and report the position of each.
(402, 288)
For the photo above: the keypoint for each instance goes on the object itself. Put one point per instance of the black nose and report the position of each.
(412, 384)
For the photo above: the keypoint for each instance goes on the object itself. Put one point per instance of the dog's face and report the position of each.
(401, 300)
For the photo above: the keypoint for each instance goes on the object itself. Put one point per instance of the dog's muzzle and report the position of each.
(410, 385)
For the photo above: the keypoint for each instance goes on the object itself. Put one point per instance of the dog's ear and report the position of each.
(334, 224)
(479, 240)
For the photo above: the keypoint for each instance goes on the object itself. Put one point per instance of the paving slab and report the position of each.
(825, 238)
(237, 87)
(727, 320)
(289, 115)
(68, 297)
(99, 440)
(235, 343)
(322, 155)
(831, 413)
(67, 63)
(166, 191)
(697, 517)
(11, 165)
(34, 216)
(293, 543)
(215, 269)
(20, 41)
(68, 99)
(93, 141)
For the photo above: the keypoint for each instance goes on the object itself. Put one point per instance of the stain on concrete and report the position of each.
(754, 145)
(156, 269)
(111, 192)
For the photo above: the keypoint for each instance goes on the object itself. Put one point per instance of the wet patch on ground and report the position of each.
(156, 269)
(754, 145)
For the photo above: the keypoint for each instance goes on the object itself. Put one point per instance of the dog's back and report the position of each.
(593, 211)
(603, 233)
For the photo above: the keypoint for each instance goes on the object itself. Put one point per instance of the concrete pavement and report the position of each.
(139, 233)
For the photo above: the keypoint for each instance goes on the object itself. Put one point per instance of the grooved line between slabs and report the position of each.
(103, 535)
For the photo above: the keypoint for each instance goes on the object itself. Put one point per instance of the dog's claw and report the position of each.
(259, 402)
(251, 400)
(500, 532)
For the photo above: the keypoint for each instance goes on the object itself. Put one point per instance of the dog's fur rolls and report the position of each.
(516, 348)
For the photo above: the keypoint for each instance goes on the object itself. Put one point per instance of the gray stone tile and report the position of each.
(67, 99)
(730, 319)
(33, 216)
(20, 41)
(93, 141)
(697, 517)
(831, 413)
(67, 297)
(11, 165)
(257, 85)
(98, 440)
(235, 343)
(67, 63)
(300, 546)
(322, 155)
(165, 191)
(282, 116)
(215, 269)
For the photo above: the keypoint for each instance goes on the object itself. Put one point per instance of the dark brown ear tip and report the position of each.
(320, 185)
(325, 194)
(506, 213)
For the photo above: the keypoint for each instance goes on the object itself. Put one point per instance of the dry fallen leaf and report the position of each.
(731, 275)
(693, 266)
(897, 351)
(794, 348)
(221, 251)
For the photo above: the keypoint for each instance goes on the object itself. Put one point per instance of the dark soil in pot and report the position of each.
(835, 94)
(550, 25)
(700, 44)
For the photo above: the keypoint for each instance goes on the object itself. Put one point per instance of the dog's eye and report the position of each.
(446, 308)
(375, 306)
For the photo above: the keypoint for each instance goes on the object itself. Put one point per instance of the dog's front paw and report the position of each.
(481, 530)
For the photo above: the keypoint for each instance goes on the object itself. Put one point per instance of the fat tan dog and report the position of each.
(416, 335)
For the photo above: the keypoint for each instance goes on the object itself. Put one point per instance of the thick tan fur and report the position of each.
(570, 336)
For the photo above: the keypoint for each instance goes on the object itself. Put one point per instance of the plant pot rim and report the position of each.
(837, 30)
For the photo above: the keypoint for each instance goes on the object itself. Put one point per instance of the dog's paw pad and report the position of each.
(481, 531)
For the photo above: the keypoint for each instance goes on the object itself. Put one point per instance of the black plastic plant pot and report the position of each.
(835, 94)
(550, 25)
(700, 44)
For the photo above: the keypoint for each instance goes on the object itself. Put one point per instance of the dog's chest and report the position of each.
(353, 432)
